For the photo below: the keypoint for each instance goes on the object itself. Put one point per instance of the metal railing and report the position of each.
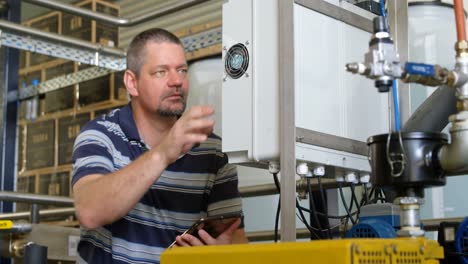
(118, 21)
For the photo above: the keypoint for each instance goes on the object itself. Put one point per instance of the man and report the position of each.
(144, 173)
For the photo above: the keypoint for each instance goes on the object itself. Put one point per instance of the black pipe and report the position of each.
(35, 254)
(432, 115)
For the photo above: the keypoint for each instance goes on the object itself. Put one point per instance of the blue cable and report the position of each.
(394, 87)
(382, 8)
(395, 105)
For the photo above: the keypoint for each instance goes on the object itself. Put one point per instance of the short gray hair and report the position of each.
(136, 50)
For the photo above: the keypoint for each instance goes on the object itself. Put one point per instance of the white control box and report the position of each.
(328, 100)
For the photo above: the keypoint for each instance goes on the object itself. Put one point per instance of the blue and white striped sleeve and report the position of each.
(92, 154)
(225, 197)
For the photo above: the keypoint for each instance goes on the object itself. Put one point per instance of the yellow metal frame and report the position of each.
(353, 251)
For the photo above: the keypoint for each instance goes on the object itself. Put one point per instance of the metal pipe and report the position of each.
(35, 198)
(43, 214)
(118, 21)
(8, 26)
(460, 19)
(267, 235)
(429, 225)
(270, 189)
(432, 115)
(34, 218)
(452, 157)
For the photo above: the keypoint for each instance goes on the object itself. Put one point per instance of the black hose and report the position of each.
(275, 178)
(329, 216)
(354, 197)
(366, 194)
(278, 208)
(313, 215)
(345, 205)
(311, 229)
(325, 207)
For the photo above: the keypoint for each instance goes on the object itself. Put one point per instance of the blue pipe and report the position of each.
(394, 87)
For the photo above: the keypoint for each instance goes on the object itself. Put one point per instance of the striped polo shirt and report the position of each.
(200, 183)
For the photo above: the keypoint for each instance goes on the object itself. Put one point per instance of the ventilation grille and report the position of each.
(373, 257)
(236, 61)
(365, 232)
(409, 257)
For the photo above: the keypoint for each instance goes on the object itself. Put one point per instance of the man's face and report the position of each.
(163, 82)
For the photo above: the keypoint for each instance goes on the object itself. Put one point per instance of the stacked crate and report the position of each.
(46, 143)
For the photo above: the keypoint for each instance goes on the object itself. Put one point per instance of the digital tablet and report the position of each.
(213, 225)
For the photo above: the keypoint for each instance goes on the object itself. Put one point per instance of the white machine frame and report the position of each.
(341, 150)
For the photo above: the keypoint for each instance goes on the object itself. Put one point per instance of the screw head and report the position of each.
(421, 250)
(357, 250)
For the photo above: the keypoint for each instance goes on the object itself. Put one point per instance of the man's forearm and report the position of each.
(103, 199)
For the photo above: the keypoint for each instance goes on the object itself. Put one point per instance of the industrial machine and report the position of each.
(297, 49)
(402, 163)
(406, 162)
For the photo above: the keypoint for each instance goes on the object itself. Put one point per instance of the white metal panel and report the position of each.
(237, 94)
(266, 81)
(328, 99)
(318, 99)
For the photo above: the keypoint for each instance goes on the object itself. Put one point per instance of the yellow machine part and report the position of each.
(352, 251)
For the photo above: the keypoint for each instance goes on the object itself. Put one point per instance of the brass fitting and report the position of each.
(462, 105)
(451, 79)
(461, 47)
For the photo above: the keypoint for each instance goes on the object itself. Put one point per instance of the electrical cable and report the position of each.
(303, 220)
(277, 184)
(315, 229)
(329, 216)
(370, 196)
(353, 200)
(383, 194)
(313, 209)
(278, 208)
(382, 8)
(396, 106)
(366, 195)
(354, 197)
(377, 193)
(345, 205)
(325, 206)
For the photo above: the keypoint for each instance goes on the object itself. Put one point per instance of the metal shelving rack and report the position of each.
(106, 60)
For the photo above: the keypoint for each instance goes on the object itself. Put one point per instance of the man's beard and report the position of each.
(167, 112)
